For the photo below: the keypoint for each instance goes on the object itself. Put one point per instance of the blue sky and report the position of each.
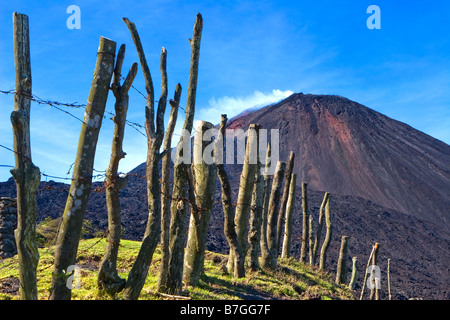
(252, 53)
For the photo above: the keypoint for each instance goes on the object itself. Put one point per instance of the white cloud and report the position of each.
(232, 106)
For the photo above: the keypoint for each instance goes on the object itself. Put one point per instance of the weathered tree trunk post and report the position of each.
(311, 238)
(369, 262)
(179, 207)
(155, 135)
(270, 261)
(246, 184)
(366, 273)
(25, 173)
(72, 220)
(327, 240)
(108, 278)
(341, 272)
(165, 173)
(319, 227)
(287, 241)
(267, 183)
(305, 232)
(171, 281)
(375, 288)
(284, 199)
(254, 233)
(389, 278)
(204, 183)
(227, 204)
(351, 284)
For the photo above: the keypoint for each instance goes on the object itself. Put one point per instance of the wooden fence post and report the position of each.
(108, 278)
(25, 173)
(270, 261)
(351, 284)
(375, 289)
(327, 240)
(305, 230)
(284, 199)
(204, 186)
(287, 241)
(80, 189)
(341, 272)
(165, 186)
(319, 227)
(246, 184)
(172, 281)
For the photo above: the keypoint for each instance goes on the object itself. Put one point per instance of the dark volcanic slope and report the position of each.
(419, 250)
(348, 149)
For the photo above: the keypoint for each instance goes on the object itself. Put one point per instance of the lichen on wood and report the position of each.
(287, 240)
(108, 279)
(327, 240)
(26, 175)
(246, 184)
(341, 271)
(270, 260)
(80, 189)
(204, 185)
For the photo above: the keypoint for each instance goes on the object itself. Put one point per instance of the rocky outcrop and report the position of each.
(8, 223)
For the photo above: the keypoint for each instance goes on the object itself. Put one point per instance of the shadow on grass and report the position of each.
(232, 289)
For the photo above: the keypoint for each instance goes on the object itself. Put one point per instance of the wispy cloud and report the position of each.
(232, 106)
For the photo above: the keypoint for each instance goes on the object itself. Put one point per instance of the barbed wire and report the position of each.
(57, 105)
(75, 105)
(101, 173)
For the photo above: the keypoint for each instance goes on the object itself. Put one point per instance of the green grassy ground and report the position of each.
(292, 280)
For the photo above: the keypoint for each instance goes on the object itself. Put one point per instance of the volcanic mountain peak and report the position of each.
(346, 148)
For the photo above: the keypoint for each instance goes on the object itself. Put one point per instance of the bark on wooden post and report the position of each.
(154, 129)
(327, 240)
(341, 271)
(25, 173)
(72, 220)
(246, 184)
(179, 207)
(270, 261)
(165, 196)
(366, 273)
(305, 232)
(284, 199)
(254, 233)
(375, 288)
(351, 284)
(267, 184)
(287, 241)
(108, 278)
(319, 227)
(238, 268)
(204, 184)
(311, 238)
(171, 281)
(389, 278)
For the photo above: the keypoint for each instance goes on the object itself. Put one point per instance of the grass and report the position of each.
(292, 280)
